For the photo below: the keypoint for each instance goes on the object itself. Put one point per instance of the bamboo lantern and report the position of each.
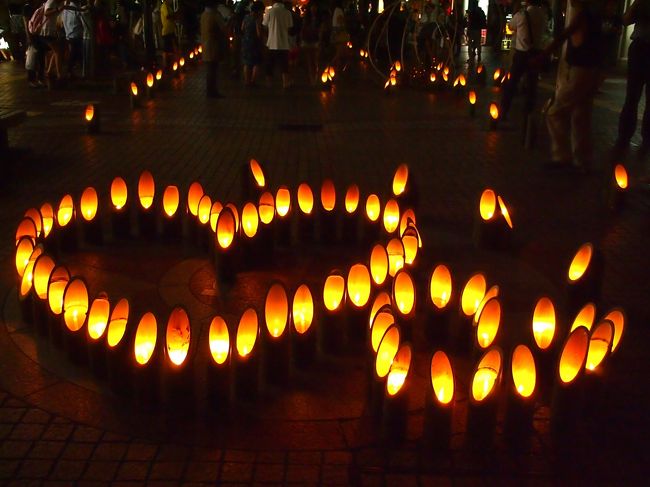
(494, 116)
(328, 213)
(246, 363)
(24, 249)
(66, 234)
(544, 326)
(332, 325)
(382, 321)
(37, 218)
(194, 195)
(378, 265)
(144, 361)
(43, 267)
(172, 225)
(618, 188)
(403, 298)
(350, 234)
(487, 324)
(585, 317)
(401, 183)
(567, 400)
(390, 217)
(177, 382)
(388, 347)
(91, 225)
(214, 215)
(480, 74)
(470, 301)
(275, 343)
(120, 217)
(618, 319)
(600, 345)
(439, 402)
(493, 226)
(159, 75)
(303, 335)
(411, 243)
(253, 180)
(497, 76)
(266, 211)
(226, 267)
(282, 224)
(26, 228)
(408, 219)
(75, 311)
(204, 234)
(471, 97)
(25, 295)
(91, 119)
(371, 219)
(521, 395)
(584, 276)
(381, 299)
(117, 350)
(56, 285)
(147, 215)
(149, 85)
(395, 407)
(47, 214)
(98, 316)
(305, 215)
(134, 95)
(218, 371)
(395, 251)
(438, 309)
(483, 398)
(250, 244)
(358, 287)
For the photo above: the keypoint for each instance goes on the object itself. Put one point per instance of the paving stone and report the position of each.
(206, 455)
(398, 480)
(133, 471)
(303, 473)
(114, 437)
(35, 469)
(46, 449)
(78, 451)
(11, 414)
(36, 416)
(100, 470)
(269, 472)
(202, 472)
(14, 448)
(271, 457)
(166, 470)
(239, 456)
(305, 457)
(141, 451)
(173, 453)
(334, 475)
(8, 468)
(70, 470)
(86, 434)
(236, 472)
(27, 431)
(337, 457)
(110, 451)
(5, 430)
(60, 432)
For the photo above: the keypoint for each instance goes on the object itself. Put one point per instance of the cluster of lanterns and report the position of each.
(327, 77)
(393, 76)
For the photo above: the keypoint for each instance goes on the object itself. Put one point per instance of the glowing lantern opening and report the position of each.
(373, 207)
(305, 199)
(617, 317)
(266, 208)
(66, 211)
(407, 219)
(580, 262)
(331, 72)
(191, 54)
(620, 176)
(324, 77)
(214, 214)
(472, 97)
(328, 195)
(37, 218)
(119, 193)
(352, 199)
(171, 200)
(134, 89)
(26, 228)
(47, 213)
(399, 370)
(146, 189)
(117, 323)
(178, 336)
(497, 74)
(391, 216)
(504, 211)
(358, 285)
(226, 228)
(175, 66)
(432, 77)
(494, 111)
(247, 332)
(181, 62)
(479, 69)
(302, 310)
(28, 274)
(149, 80)
(219, 339)
(24, 250)
(145, 338)
(89, 203)
(386, 351)
(400, 179)
(282, 201)
(486, 375)
(89, 114)
(250, 220)
(493, 292)
(276, 310)
(200, 49)
(159, 75)
(257, 172)
(585, 317)
(398, 66)
(98, 316)
(395, 251)
(404, 293)
(75, 304)
(488, 323)
(487, 204)
(194, 195)
(204, 209)
(442, 378)
(43, 267)
(410, 241)
(382, 321)
(378, 264)
(472, 294)
(55, 288)
(544, 323)
(333, 292)
(574, 355)
(440, 286)
(524, 375)
(235, 212)
(600, 344)
(382, 299)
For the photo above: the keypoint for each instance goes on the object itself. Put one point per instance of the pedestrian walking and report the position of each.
(476, 22)
(251, 43)
(74, 30)
(311, 35)
(213, 35)
(278, 21)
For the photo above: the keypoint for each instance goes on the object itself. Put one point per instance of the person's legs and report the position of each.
(517, 70)
(635, 80)
(255, 73)
(75, 53)
(586, 82)
(532, 79)
(283, 59)
(247, 75)
(211, 72)
(270, 63)
(558, 120)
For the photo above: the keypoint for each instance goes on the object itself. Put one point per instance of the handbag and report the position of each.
(30, 58)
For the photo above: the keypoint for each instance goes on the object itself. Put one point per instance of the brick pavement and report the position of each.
(180, 137)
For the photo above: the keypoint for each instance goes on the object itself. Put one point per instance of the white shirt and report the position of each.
(49, 26)
(338, 18)
(538, 23)
(278, 20)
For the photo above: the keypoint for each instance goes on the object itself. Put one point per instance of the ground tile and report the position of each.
(101, 470)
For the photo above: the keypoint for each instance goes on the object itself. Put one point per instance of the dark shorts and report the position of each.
(169, 42)
(280, 58)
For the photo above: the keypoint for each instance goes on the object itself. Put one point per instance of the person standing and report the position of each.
(212, 37)
(168, 31)
(638, 77)
(529, 25)
(74, 30)
(310, 35)
(251, 43)
(476, 22)
(50, 35)
(278, 21)
(340, 36)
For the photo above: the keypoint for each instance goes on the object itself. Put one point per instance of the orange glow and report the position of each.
(134, 89)
(75, 304)
(494, 111)
(276, 310)
(358, 285)
(333, 292)
(119, 193)
(181, 62)
(266, 208)
(98, 316)
(28, 274)
(352, 197)
(171, 200)
(524, 375)
(544, 323)
(146, 189)
(399, 370)
(391, 216)
(247, 331)
(585, 317)
(580, 262)
(432, 77)
(620, 176)
(618, 319)
(37, 218)
(328, 195)
(56, 287)
(487, 204)
(386, 351)
(324, 77)
(442, 378)
(43, 267)
(257, 172)
(282, 201)
(493, 292)
(574, 355)
(486, 375)
(219, 339)
(472, 294)
(410, 242)
(66, 211)
(175, 66)
(47, 213)
(89, 113)
(145, 338)
(159, 75)
(305, 199)
(472, 97)
(600, 344)
(24, 250)
(497, 74)
(88, 204)
(378, 264)
(250, 220)
(398, 66)
(395, 251)
(191, 55)
(149, 80)
(407, 219)
(381, 299)
(404, 293)
(381, 322)
(200, 48)
(235, 212)
(226, 228)
(117, 323)
(302, 309)
(393, 81)
(194, 195)
(440, 286)
(400, 179)
(488, 323)
(479, 69)
(373, 207)
(178, 336)
(331, 72)
(504, 211)
(204, 209)
(215, 210)
(26, 228)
